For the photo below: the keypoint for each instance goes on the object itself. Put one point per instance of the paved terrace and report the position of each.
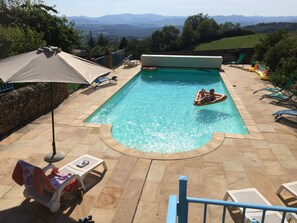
(136, 186)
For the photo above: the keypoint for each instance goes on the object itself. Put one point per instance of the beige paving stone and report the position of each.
(237, 180)
(266, 154)
(125, 212)
(156, 172)
(118, 178)
(273, 167)
(4, 189)
(109, 198)
(146, 212)
(265, 128)
(151, 191)
(233, 166)
(103, 215)
(133, 190)
(140, 169)
(195, 176)
(251, 159)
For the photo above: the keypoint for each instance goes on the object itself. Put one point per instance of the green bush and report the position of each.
(282, 59)
(268, 41)
(279, 51)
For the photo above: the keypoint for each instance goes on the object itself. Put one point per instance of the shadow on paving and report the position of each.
(32, 212)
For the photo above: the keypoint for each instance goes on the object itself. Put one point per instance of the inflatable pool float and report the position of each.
(219, 98)
(263, 76)
(149, 68)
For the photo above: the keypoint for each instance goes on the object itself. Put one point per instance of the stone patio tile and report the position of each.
(127, 163)
(156, 172)
(266, 154)
(251, 159)
(233, 166)
(109, 197)
(273, 168)
(133, 190)
(81, 209)
(140, 169)
(215, 187)
(4, 189)
(237, 180)
(146, 212)
(151, 191)
(118, 178)
(195, 176)
(125, 212)
(103, 215)
(265, 128)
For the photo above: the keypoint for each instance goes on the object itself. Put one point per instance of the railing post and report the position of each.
(183, 202)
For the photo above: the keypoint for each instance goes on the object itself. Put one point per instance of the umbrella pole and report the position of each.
(53, 120)
(55, 156)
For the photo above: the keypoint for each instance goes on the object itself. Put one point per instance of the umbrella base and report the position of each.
(51, 157)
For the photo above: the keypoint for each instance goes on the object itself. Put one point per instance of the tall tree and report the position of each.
(191, 33)
(123, 43)
(40, 18)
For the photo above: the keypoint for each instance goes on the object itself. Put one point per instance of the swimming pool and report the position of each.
(154, 111)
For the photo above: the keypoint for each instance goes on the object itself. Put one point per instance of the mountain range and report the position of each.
(141, 25)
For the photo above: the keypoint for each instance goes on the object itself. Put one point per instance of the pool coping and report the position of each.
(105, 131)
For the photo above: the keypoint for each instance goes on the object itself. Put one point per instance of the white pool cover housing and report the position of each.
(181, 61)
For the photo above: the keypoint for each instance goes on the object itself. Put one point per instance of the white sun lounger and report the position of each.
(48, 190)
(289, 187)
(73, 167)
(253, 196)
(130, 63)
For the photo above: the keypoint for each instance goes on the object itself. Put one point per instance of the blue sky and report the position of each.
(97, 8)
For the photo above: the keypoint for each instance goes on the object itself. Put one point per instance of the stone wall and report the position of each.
(21, 106)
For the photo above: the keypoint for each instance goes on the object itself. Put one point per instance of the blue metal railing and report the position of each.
(6, 87)
(178, 210)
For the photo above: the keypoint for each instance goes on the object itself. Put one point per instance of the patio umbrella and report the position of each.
(50, 64)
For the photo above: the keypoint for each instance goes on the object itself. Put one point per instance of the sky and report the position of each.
(97, 8)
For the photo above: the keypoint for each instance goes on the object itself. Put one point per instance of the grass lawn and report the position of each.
(248, 41)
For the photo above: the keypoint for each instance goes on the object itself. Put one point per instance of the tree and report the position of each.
(208, 30)
(198, 28)
(164, 39)
(157, 41)
(123, 43)
(269, 41)
(282, 59)
(14, 40)
(91, 41)
(39, 17)
(102, 41)
(171, 35)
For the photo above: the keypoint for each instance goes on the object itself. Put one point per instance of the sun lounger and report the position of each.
(278, 115)
(130, 63)
(45, 189)
(238, 61)
(280, 97)
(289, 187)
(276, 89)
(83, 171)
(48, 189)
(253, 196)
(101, 80)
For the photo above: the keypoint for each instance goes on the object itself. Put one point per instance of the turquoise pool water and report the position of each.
(154, 112)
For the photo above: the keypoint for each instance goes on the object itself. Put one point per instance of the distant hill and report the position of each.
(270, 27)
(252, 20)
(146, 20)
(142, 25)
